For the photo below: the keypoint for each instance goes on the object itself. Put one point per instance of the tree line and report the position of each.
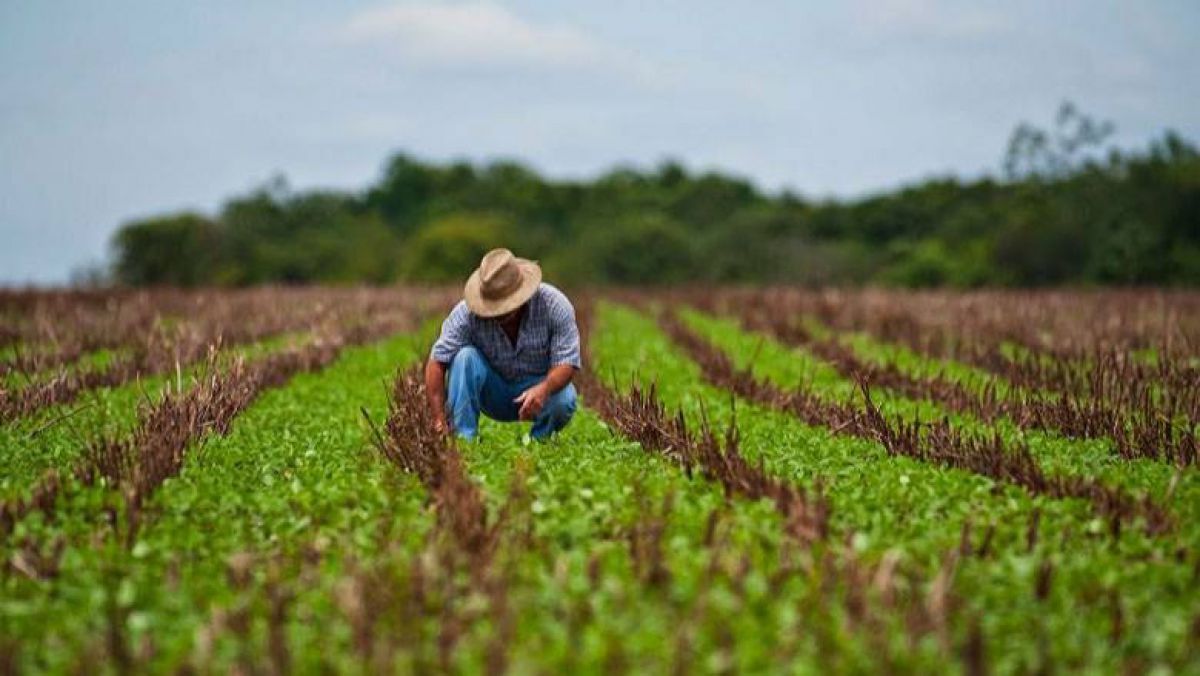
(1065, 209)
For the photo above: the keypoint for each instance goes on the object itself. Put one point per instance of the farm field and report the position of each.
(758, 481)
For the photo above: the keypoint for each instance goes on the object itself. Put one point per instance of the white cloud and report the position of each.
(476, 34)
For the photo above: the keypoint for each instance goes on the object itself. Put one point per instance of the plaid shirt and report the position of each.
(548, 337)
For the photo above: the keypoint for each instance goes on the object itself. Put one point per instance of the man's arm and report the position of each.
(533, 399)
(559, 377)
(435, 392)
(454, 336)
(564, 355)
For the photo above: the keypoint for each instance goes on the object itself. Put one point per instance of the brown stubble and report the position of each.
(869, 595)
(135, 466)
(936, 442)
(466, 540)
(162, 331)
(1115, 400)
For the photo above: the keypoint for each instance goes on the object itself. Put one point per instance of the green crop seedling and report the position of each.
(757, 481)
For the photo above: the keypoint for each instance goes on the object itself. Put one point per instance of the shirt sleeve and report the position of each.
(564, 332)
(455, 335)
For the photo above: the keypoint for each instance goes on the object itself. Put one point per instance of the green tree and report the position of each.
(449, 248)
(178, 250)
(1067, 210)
(638, 249)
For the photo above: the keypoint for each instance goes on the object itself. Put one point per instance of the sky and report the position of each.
(115, 110)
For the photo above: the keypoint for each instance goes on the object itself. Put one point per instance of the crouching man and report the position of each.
(511, 347)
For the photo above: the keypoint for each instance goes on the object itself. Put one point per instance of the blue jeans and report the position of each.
(475, 387)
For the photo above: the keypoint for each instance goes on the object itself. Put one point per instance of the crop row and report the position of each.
(641, 539)
(792, 368)
(1146, 410)
(1095, 460)
(234, 322)
(136, 465)
(1152, 427)
(937, 442)
(544, 575)
(911, 506)
(579, 545)
(134, 547)
(52, 437)
(1127, 352)
(48, 329)
(1063, 324)
(641, 417)
(52, 321)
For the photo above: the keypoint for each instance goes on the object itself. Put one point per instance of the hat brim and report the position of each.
(531, 277)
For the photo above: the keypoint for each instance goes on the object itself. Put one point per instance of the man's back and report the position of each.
(548, 336)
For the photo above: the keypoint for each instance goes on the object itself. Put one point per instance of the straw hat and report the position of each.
(502, 283)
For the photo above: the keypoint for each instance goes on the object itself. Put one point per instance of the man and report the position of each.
(511, 347)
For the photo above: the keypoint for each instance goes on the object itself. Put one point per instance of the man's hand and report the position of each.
(440, 424)
(435, 394)
(532, 401)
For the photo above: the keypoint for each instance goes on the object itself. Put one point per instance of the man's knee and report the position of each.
(468, 357)
(562, 403)
(468, 362)
(468, 372)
